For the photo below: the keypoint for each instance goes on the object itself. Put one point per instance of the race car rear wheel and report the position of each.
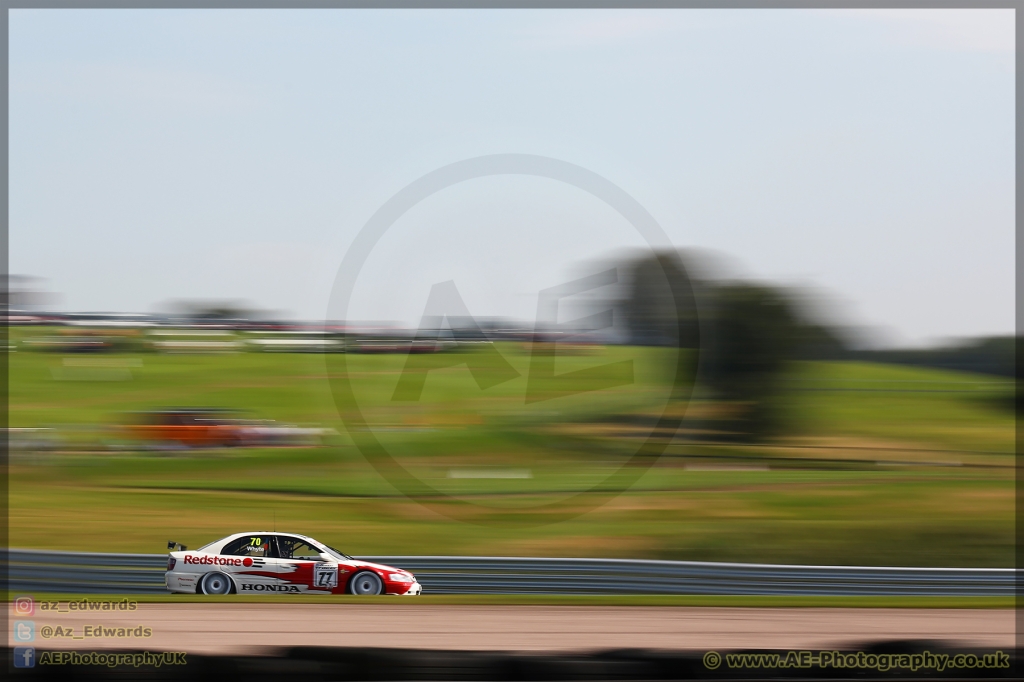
(366, 583)
(215, 583)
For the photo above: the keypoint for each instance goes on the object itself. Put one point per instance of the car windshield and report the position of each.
(337, 553)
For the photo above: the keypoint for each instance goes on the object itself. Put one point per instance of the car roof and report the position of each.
(234, 536)
(268, 532)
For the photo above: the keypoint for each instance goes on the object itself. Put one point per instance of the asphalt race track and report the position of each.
(246, 628)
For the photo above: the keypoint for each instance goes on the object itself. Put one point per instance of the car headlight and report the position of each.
(401, 578)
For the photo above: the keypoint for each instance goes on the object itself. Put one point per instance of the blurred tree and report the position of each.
(818, 342)
(755, 333)
(746, 334)
(219, 311)
(995, 355)
(660, 307)
(214, 311)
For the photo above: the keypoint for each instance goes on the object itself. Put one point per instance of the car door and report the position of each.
(249, 564)
(302, 566)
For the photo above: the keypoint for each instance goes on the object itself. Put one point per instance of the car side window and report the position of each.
(294, 548)
(248, 545)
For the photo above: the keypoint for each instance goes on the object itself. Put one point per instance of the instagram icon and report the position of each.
(24, 606)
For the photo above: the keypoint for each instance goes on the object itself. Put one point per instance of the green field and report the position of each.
(883, 465)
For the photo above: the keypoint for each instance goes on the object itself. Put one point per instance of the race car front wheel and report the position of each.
(366, 583)
(215, 583)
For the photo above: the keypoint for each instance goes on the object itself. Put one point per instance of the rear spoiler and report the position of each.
(171, 544)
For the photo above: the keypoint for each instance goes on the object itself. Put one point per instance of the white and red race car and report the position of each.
(252, 563)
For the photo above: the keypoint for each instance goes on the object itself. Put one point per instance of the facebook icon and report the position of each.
(24, 657)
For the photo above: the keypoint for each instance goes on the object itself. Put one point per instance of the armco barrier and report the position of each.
(49, 571)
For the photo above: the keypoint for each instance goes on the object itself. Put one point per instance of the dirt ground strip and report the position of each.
(242, 628)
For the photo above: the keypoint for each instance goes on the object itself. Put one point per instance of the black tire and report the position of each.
(216, 583)
(366, 583)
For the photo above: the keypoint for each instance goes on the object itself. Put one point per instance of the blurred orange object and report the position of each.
(189, 427)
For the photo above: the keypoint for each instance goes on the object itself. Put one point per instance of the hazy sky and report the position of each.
(160, 155)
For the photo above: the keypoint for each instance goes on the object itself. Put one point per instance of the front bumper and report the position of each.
(414, 590)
